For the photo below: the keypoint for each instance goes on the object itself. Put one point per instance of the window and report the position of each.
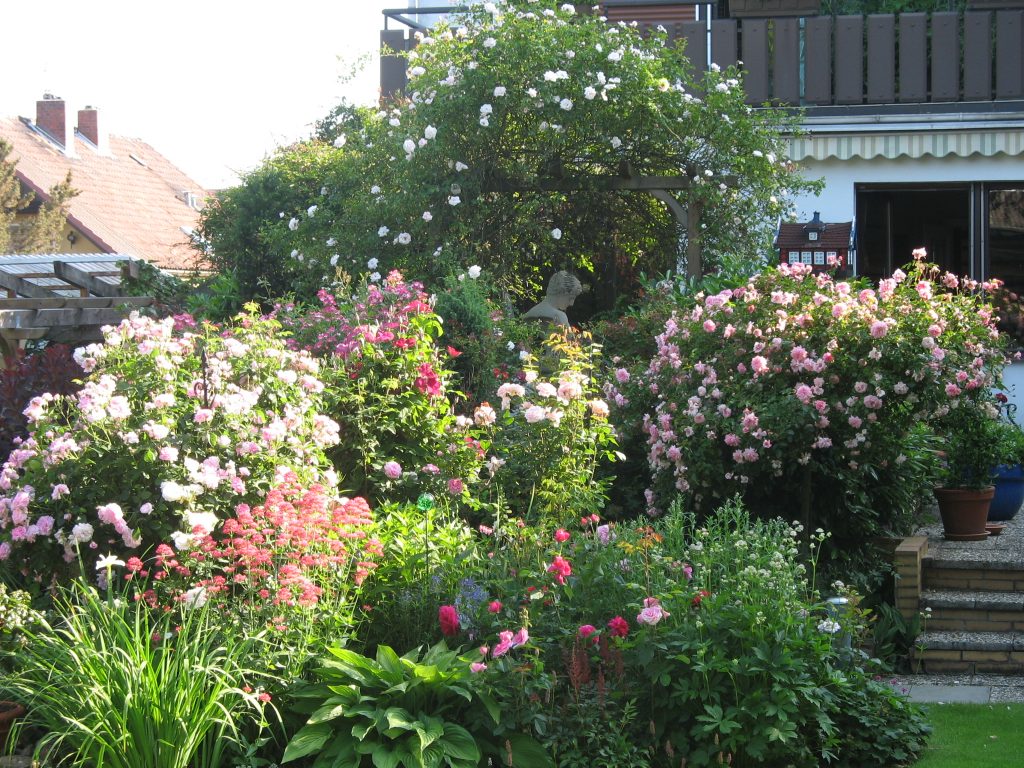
(794, 257)
(805, 257)
(819, 257)
(812, 235)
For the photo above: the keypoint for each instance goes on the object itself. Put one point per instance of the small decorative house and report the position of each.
(825, 246)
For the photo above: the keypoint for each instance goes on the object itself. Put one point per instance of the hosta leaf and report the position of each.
(308, 740)
(458, 745)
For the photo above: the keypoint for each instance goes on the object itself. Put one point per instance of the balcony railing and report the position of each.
(910, 59)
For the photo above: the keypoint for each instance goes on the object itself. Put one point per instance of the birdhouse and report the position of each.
(822, 245)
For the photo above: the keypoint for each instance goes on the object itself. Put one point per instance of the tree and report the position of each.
(44, 232)
(502, 152)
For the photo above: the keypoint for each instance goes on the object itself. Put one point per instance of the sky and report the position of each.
(213, 85)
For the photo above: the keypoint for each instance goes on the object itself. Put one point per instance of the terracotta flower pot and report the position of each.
(9, 712)
(964, 512)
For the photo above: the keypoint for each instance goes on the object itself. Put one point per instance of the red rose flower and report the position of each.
(618, 627)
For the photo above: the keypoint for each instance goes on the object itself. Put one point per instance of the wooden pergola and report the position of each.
(63, 297)
(663, 188)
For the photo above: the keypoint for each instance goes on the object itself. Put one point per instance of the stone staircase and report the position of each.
(974, 592)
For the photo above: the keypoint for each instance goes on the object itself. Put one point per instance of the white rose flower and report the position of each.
(589, 92)
(404, 238)
(430, 132)
(195, 597)
(616, 142)
(565, 104)
(461, 166)
(293, 224)
(454, 200)
(473, 272)
(556, 233)
(383, 232)
(371, 264)
(409, 146)
(490, 42)
(486, 109)
(499, 91)
(340, 141)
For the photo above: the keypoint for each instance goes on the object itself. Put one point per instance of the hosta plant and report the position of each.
(389, 711)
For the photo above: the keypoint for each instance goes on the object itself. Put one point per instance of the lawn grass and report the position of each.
(975, 735)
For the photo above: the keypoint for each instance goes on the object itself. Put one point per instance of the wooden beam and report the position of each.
(63, 302)
(590, 184)
(23, 287)
(694, 263)
(82, 279)
(18, 334)
(28, 318)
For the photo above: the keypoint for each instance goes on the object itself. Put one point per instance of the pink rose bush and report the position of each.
(392, 393)
(798, 378)
(167, 428)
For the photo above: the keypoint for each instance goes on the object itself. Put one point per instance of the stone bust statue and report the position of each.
(563, 288)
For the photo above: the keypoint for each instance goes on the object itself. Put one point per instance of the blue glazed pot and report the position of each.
(1009, 483)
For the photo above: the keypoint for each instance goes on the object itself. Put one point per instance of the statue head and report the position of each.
(563, 288)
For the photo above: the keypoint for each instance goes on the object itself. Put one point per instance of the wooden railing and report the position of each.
(904, 59)
(909, 58)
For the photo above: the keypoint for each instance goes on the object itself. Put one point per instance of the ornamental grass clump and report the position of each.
(114, 684)
(802, 389)
(169, 430)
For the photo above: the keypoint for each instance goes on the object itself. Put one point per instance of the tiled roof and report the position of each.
(130, 198)
(833, 237)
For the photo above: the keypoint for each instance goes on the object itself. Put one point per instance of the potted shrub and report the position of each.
(1009, 474)
(970, 432)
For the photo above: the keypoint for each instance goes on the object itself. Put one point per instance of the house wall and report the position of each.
(837, 201)
(81, 244)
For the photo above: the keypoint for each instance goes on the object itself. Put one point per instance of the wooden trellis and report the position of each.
(61, 297)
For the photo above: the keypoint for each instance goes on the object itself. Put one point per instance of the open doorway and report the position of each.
(894, 220)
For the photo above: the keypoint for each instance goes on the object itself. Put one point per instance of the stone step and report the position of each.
(981, 611)
(1000, 575)
(943, 652)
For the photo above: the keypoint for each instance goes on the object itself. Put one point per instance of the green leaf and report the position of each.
(389, 661)
(332, 708)
(384, 757)
(527, 752)
(491, 705)
(397, 717)
(459, 745)
(308, 740)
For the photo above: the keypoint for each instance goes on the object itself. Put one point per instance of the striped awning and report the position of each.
(911, 144)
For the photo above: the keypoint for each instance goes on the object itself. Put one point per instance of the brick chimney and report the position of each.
(52, 116)
(89, 126)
